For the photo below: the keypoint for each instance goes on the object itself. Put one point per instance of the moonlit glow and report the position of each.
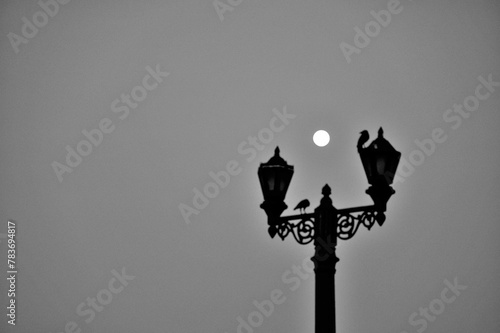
(321, 138)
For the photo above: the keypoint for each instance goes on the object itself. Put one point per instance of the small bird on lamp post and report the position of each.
(302, 206)
(363, 139)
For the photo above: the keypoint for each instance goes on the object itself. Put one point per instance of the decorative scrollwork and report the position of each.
(303, 231)
(348, 223)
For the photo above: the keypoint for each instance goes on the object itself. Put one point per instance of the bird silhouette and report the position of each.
(302, 206)
(362, 139)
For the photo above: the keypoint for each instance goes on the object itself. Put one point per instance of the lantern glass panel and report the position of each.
(381, 165)
(270, 183)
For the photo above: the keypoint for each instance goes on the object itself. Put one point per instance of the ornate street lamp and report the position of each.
(327, 223)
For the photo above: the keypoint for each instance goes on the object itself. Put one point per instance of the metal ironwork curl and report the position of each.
(348, 223)
(302, 231)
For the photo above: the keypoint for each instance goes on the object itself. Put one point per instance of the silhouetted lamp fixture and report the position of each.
(275, 177)
(327, 223)
(380, 161)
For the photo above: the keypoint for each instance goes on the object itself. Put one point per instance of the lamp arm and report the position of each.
(349, 220)
(302, 231)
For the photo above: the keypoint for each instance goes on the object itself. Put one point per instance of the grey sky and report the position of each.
(119, 207)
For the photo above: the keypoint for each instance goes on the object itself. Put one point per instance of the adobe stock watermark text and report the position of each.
(426, 315)
(104, 297)
(221, 179)
(40, 19)
(119, 106)
(454, 116)
(293, 279)
(372, 29)
(228, 6)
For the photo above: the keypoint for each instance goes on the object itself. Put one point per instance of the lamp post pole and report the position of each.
(325, 260)
(327, 223)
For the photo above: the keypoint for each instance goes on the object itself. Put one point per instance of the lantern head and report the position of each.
(380, 161)
(275, 177)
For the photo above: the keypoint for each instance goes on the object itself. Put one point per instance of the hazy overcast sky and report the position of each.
(101, 67)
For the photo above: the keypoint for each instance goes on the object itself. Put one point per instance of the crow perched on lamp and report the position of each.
(302, 206)
(362, 139)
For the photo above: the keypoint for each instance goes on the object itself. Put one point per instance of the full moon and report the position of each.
(321, 138)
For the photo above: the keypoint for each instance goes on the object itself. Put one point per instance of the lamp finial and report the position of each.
(326, 191)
